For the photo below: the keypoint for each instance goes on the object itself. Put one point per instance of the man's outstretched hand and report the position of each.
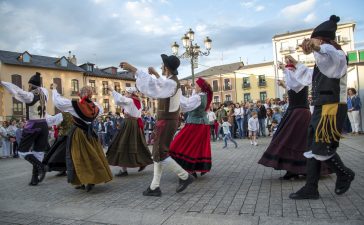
(128, 67)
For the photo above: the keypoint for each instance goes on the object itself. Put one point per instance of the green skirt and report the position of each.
(128, 148)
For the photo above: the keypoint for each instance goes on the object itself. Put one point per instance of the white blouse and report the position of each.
(330, 61)
(65, 105)
(20, 94)
(155, 87)
(54, 120)
(127, 104)
(239, 112)
(190, 103)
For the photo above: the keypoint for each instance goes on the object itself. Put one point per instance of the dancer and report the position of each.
(289, 142)
(194, 155)
(329, 98)
(85, 159)
(34, 140)
(168, 93)
(128, 148)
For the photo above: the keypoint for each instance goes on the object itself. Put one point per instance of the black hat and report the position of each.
(171, 62)
(327, 29)
(35, 79)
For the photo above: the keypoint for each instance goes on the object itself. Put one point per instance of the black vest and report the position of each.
(325, 90)
(298, 100)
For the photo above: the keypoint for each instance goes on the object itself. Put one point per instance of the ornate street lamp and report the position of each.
(192, 50)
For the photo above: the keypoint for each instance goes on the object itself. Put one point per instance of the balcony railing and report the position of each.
(227, 88)
(262, 83)
(246, 85)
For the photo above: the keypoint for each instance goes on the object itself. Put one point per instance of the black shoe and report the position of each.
(305, 193)
(289, 176)
(344, 175)
(156, 192)
(141, 168)
(194, 174)
(202, 173)
(122, 174)
(82, 187)
(89, 187)
(35, 162)
(61, 174)
(183, 184)
(35, 180)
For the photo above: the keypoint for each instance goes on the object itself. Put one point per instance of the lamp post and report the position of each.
(192, 50)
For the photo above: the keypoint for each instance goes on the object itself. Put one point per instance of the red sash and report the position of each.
(138, 105)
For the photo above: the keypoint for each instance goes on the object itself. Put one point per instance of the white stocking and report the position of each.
(176, 168)
(156, 175)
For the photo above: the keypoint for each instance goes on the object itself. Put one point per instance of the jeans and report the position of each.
(261, 131)
(239, 122)
(228, 136)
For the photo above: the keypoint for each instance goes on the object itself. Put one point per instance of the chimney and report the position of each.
(74, 60)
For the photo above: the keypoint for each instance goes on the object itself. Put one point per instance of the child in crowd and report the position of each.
(274, 126)
(227, 135)
(277, 116)
(253, 127)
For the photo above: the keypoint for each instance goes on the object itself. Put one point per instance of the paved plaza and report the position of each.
(236, 191)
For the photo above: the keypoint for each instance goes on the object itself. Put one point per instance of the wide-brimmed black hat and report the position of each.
(327, 29)
(35, 79)
(171, 62)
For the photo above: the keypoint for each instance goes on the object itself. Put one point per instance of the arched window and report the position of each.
(74, 87)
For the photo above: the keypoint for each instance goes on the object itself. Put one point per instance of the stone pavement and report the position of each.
(236, 191)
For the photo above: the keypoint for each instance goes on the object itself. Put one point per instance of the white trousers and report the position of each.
(354, 118)
(38, 155)
(170, 164)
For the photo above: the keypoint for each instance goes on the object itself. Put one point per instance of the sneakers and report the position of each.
(156, 192)
(183, 184)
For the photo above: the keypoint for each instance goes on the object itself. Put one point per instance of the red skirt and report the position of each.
(191, 148)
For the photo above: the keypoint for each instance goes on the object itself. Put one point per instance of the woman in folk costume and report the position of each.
(34, 140)
(329, 99)
(289, 142)
(191, 148)
(128, 148)
(85, 159)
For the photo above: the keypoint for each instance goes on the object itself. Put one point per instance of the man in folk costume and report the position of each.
(329, 99)
(128, 148)
(194, 155)
(168, 92)
(35, 132)
(85, 158)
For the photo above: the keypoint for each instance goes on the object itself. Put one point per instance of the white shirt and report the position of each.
(190, 103)
(127, 104)
(155, 87)
(54, 120)
(253, 124)
(239, 112)
(21, 95)
(226, 127)
(211, 116)
(65, 105)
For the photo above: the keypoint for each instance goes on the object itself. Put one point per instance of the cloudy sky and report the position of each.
(106, 32)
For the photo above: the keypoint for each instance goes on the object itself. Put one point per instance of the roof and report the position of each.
(257, 65)
(12, 58)
(307, 30)
(216, 70)
(122, 75)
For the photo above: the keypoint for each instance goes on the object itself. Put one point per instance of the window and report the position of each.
(284, 46)
(89, 67)
(64, 62)
(262, 82)
(216, 99)
(105, 86)
(215, 85)
(17, 107)
(228, 98)
(58, 81)
(247, 97)
(74, 87)
(93, 86)
(105, 105)
(263, 96)
(117, 87)
(26, 57)
(127, 85)
(246, 82)
(227, 84)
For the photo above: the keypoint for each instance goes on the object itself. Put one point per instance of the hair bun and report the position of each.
(37, 73)
(334, 18)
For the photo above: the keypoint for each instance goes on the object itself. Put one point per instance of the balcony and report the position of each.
(215, 88)
(105, 91)
(262, 83)
(246, 85)
(227, 88)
